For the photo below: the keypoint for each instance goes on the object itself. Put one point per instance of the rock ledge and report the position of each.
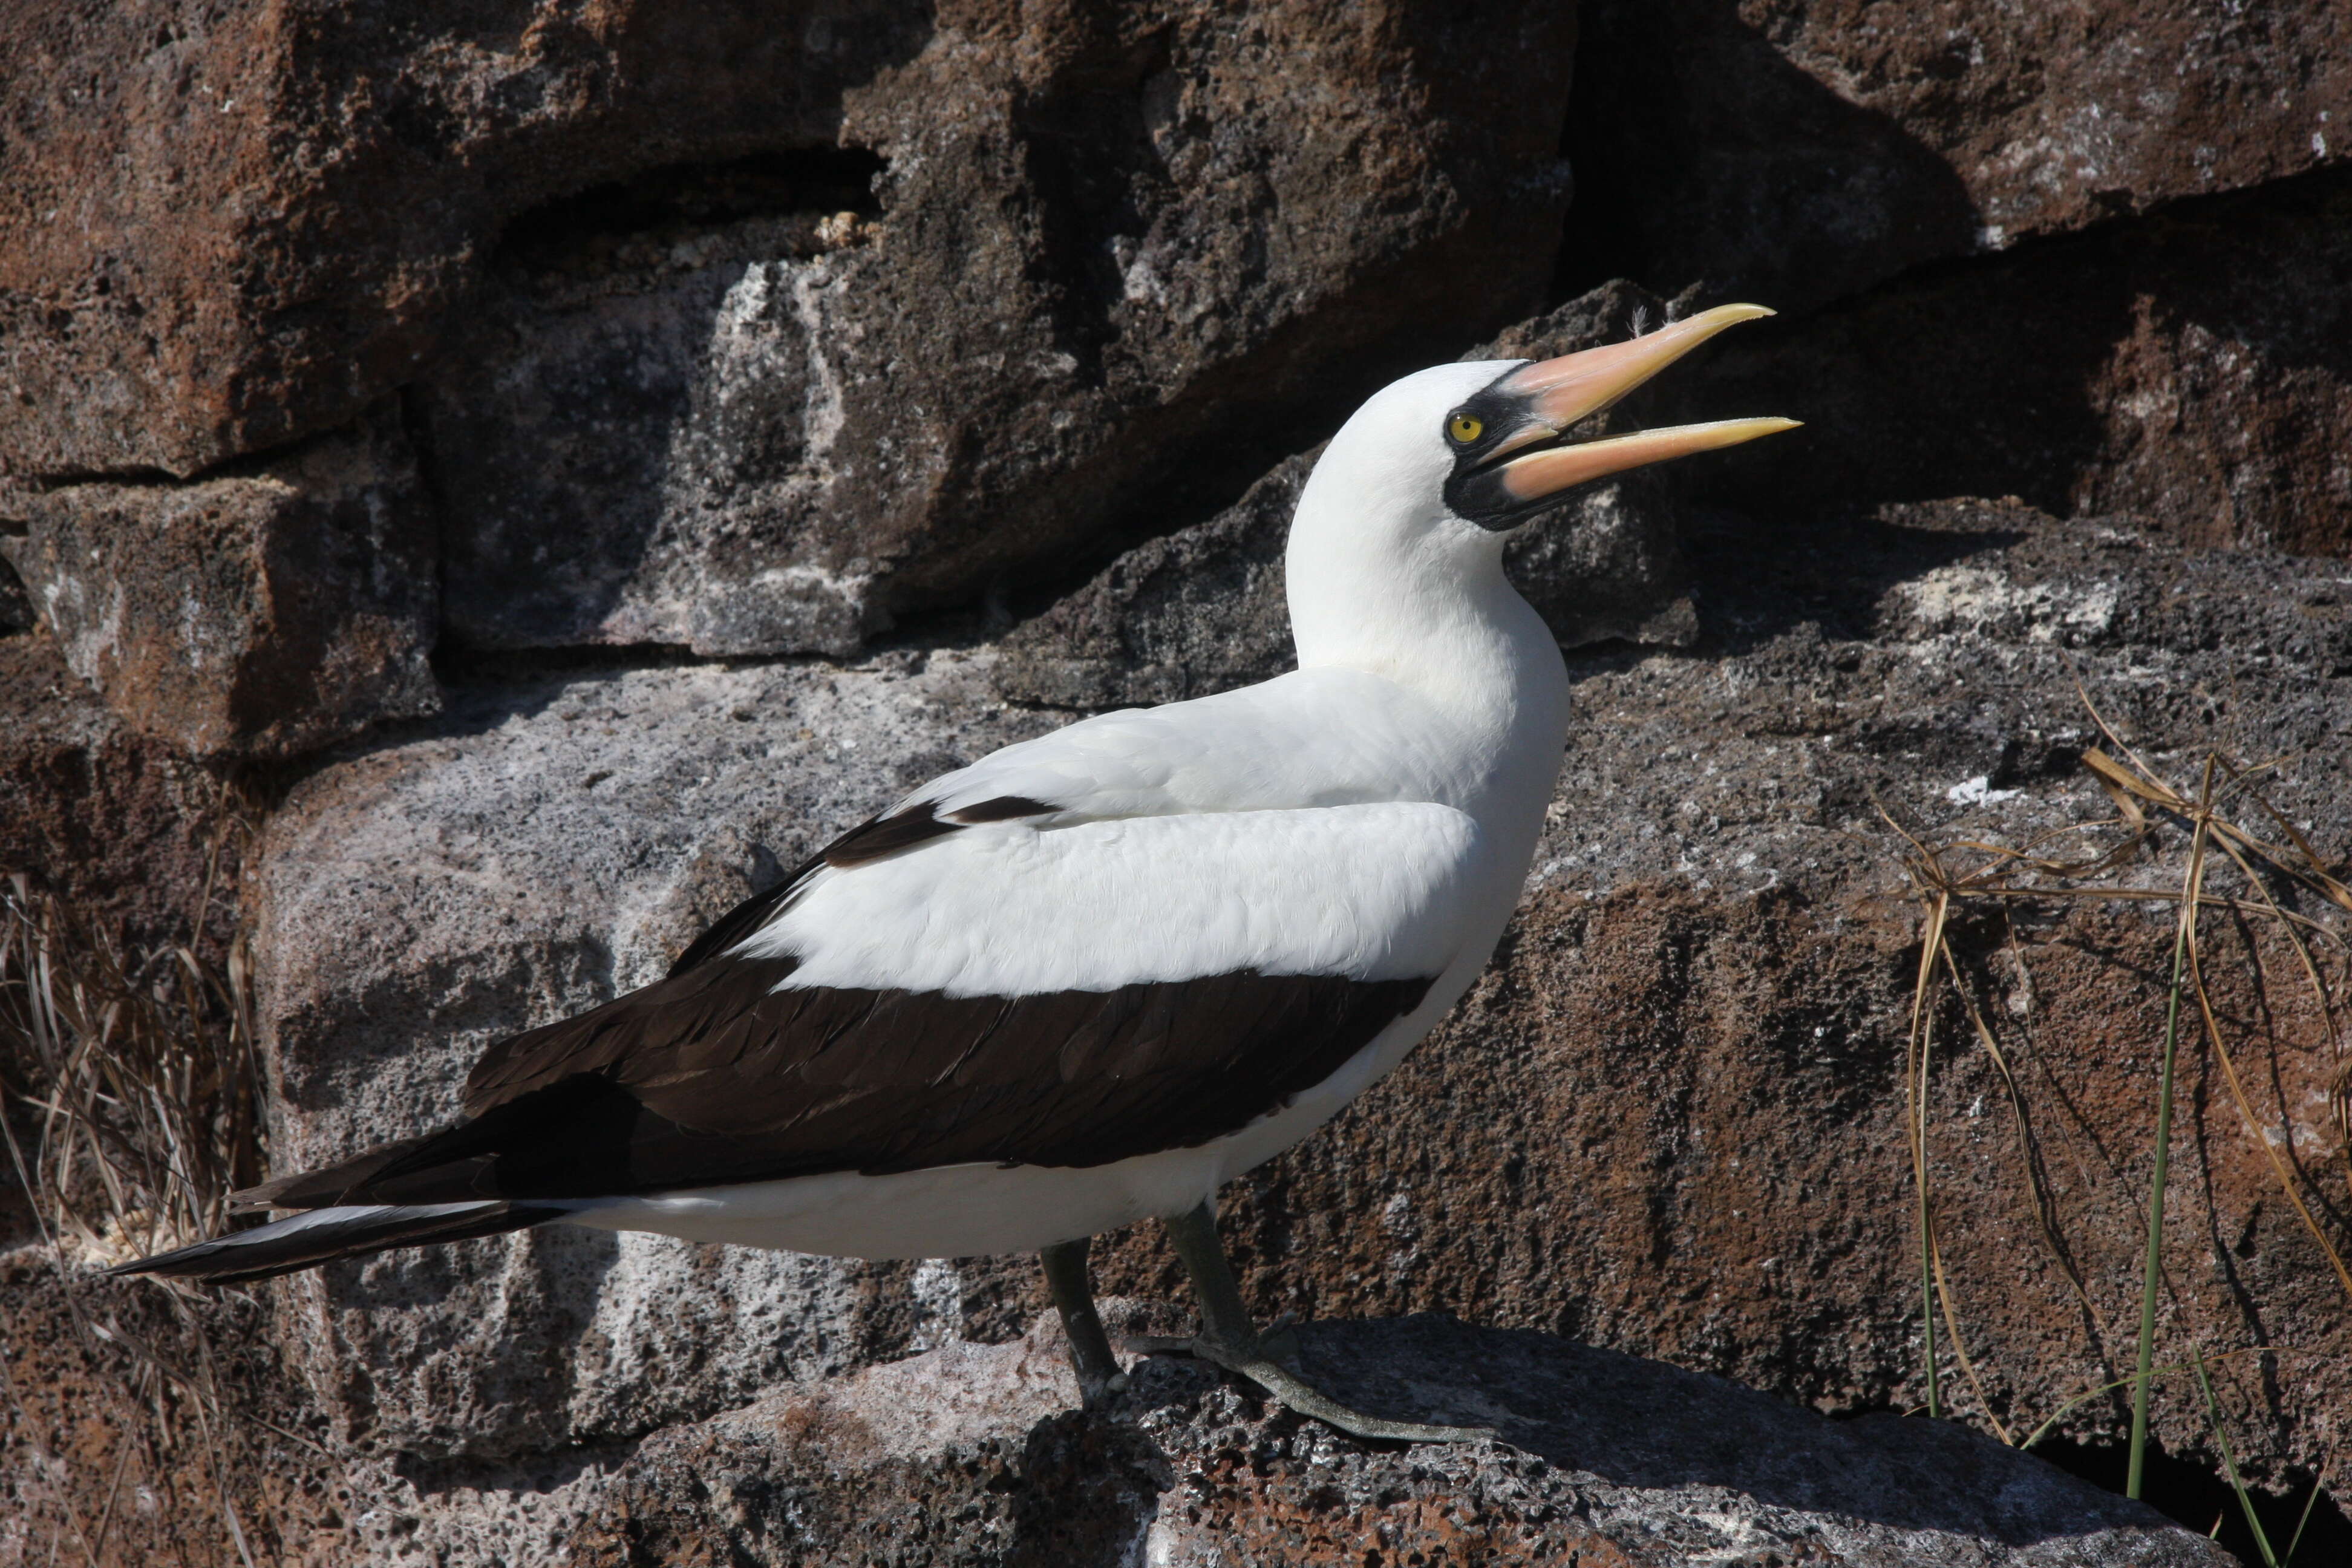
(976, 1455)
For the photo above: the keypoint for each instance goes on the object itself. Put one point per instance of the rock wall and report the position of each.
(547, 468)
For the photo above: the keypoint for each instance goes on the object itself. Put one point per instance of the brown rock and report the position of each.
(264, 614)
(1116, 264)
(1635, 1136)
(93, 1462)
(118, 823)
(775, 437)
(1671, 1119)
(2193, 371)
(1800, 150)
(229, 228)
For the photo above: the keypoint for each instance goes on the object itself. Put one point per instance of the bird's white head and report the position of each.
(1399, 533)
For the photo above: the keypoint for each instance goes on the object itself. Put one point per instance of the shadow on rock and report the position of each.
(1755, 580)
(1698, 1442)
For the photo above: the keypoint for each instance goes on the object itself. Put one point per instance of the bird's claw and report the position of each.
(1258, 1364)
(1095, 1392)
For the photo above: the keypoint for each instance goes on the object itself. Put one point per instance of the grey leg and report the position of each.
(1228, 1338)
(1074, 1298)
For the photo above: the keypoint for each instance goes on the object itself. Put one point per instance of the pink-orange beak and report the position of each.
(1558, 393)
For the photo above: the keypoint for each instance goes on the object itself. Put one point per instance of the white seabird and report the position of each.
(1093, 976)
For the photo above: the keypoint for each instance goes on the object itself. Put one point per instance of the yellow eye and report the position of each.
(1464, 429)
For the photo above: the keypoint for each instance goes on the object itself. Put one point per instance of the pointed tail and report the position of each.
(321, 1235)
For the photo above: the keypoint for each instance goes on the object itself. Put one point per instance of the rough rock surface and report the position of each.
(733, 434)
(975, 1455)
(266, 613)
(724, 330)
(1200, 610)
(1671, 1119)
(109, 818)
(17, 616)
(1718, 936)
(1804, 149)
(2194, 373)
(230, 226)
(553, 840)
(188, 1471)
(746, 432)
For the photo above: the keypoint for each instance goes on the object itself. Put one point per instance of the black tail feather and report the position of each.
(324, 1187)
(321, 1235)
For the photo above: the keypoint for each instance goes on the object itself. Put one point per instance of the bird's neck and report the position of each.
(1452, 629)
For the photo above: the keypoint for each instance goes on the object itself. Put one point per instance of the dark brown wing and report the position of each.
(713, 1077)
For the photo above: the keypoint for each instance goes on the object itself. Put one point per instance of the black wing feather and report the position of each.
(715, 1077)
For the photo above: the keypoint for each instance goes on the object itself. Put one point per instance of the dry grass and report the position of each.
(128, 1105)
(136, 1080)
(2273, 867)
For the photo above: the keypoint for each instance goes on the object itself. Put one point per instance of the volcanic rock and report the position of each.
(265, 614)
(1671, 1119)
(746, 335)
(17, 616)
(118, 823)
(231, 228)
(2191, 374)
(1670, 1122)
(1800, 150)
(976, 1455)
(582, 351)
(751, 431)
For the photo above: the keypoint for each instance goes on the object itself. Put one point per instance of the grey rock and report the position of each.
(774, 435)
(975, 1455)
(1198, 611)
(624, 460)
(1904, 655)
(552, 841)
(1714, 934)
(260, 614)
(1201, 609)
(1609, 564)
(561, 836)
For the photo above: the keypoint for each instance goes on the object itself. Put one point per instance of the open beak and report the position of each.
(1558, 393)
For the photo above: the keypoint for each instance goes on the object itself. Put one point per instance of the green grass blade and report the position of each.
(2318, 1484)
(2230, 1464)
(1926, 1232)
(2153, 1271)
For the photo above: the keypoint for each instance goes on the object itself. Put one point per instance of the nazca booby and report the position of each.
(1093, 976)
